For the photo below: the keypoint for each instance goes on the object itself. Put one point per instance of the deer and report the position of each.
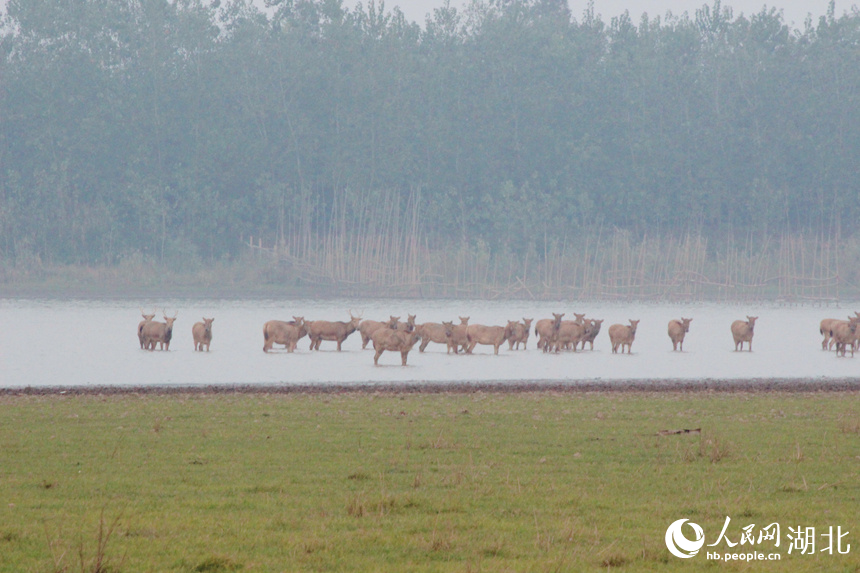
(283, 332)
(158, 332)
(591, 334)
(677, 330)
(368, 327)
(570, 333)
(856, 318)
(407, 326)
(622, 335)
(742, 331)
(493, 336)
(458, 337)
(319, 330)
(845, 334)
(202, 334)
(520, 334)
(826, 326)
(146, 318)
(577, 319)
(434, 332)
(394, 341)
(546, 328)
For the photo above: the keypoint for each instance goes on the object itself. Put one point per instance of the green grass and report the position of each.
(491, 482)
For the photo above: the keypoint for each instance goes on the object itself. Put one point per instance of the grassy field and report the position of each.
(527, 482)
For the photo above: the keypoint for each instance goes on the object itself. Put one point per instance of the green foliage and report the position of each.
(175, 129)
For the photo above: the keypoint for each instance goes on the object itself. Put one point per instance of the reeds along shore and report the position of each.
(399, 261)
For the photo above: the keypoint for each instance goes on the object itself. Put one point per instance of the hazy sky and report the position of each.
(794, 11)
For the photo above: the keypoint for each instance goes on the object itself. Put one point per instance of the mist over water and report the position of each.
(94, 343)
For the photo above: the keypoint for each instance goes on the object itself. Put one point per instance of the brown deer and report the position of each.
(368, 327)
(434, 332)
(407, 326)
(570, 333)
(677, 330)
(202, 333)
(578, 319)
(545, 329)
(282, 332)
(591, 335)
(146, 318)
(845, 334)
(742, 331)
(520, 334)
(622, 335)
(825, 327)
(158, 332)
(493, 336)
(393, 341)
(319, 330)
(458, 337)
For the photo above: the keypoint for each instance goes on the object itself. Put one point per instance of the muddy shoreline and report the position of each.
(754, 385)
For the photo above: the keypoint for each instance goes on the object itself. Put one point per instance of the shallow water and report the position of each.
(94, 342)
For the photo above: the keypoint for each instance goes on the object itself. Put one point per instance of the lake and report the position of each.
(50, 342)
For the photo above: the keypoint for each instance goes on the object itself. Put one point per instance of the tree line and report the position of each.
(175, 130)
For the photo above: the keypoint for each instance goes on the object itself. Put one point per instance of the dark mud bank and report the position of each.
(753, 385)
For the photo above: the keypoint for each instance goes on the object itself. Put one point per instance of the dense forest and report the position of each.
(185, 132)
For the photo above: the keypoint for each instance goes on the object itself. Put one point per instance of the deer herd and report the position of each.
(553, 334)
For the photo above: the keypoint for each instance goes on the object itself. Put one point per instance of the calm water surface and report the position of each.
(94, 342)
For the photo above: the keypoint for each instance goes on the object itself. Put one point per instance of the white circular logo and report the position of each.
(679, 545)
